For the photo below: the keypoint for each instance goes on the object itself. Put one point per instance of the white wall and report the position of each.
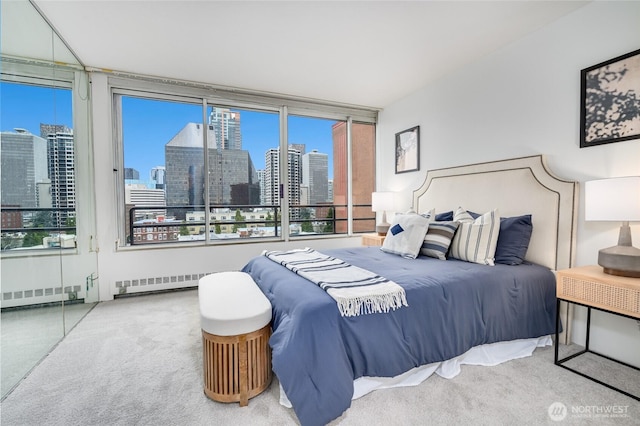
(524, 100)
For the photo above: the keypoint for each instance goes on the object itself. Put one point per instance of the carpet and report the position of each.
(138, 361)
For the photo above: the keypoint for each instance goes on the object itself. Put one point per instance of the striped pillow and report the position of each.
(438, 239)
(476, 240)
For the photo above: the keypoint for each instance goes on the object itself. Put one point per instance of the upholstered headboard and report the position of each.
(516, 186)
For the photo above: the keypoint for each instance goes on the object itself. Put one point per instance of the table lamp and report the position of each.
(381, 202)
(616, 199)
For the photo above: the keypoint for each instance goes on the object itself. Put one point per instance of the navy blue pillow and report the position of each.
(474, 214)
(513, 239)
(445, 217)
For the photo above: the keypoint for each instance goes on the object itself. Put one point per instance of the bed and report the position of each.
(457, 310)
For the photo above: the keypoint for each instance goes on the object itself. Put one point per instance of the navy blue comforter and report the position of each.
(453, 306)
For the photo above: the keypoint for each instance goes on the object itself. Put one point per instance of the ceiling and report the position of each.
(368, 53)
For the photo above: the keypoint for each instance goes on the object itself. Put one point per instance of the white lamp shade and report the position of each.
(615, 199)
(382, 201)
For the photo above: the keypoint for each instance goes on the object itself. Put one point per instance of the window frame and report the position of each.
(73, 78)
(213, 96)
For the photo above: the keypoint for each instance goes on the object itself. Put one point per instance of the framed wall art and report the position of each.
(408, 150)
(610, 101)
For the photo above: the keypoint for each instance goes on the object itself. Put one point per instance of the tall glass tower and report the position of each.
(61, 162)
(225, 125)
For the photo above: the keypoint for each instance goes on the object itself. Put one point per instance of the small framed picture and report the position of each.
(408, 150)
(610, 101)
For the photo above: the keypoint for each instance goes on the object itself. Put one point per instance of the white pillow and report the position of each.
(431, 215)
(475, 240)
(405, 235)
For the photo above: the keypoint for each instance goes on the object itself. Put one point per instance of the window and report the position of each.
(311, 165)
(166, 169)
(363, 144)
(153, 130)
(38, 166)
(238, 143)
(216, 166)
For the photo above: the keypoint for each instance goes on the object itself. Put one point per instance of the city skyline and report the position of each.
(151, 127)
(26, 107)
(260, 132)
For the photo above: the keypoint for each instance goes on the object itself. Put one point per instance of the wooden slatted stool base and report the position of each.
(235, 319)
(236, 368)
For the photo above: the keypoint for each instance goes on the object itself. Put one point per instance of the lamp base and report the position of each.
(382, 229)
(618, 260)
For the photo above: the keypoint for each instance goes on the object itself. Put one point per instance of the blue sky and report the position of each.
(26, 107)
(149, 125)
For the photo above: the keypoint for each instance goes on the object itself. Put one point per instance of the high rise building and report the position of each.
(61, 165)
(24, 166)
(304, 195)
(272, 177)
(245, 194)
(158, 177)
(228, 168)
(300, 147)
(138, 195)
(315, 175)
(225, 125)
(131, 174)
(263, 193)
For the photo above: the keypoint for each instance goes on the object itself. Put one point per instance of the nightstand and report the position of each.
(589, 286)
(372, 240)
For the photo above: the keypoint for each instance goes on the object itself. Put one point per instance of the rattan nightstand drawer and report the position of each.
(589, 285)
(372, 239)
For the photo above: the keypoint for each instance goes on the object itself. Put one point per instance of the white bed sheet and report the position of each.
(485, 355)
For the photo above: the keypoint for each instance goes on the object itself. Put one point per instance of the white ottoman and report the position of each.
(235, 319)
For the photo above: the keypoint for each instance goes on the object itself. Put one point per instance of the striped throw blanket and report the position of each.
(356, 290)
